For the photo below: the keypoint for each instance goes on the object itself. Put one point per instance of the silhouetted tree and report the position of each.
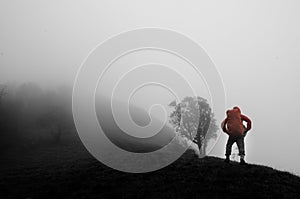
(30, 104)
(9, 118)
(193, 119)
(2, 93)
(55, 121)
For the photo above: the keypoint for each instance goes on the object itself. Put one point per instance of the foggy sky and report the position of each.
(254, 44)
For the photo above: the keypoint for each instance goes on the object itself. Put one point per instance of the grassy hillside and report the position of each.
(68, 171)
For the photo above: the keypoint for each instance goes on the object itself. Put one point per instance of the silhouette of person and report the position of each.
(233, 126)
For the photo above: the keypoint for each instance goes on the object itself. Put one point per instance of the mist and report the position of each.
(254, 45)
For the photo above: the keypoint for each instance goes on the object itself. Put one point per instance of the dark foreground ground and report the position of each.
(68, 171)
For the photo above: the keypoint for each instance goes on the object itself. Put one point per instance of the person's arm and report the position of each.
(223, 125)
(249, 124)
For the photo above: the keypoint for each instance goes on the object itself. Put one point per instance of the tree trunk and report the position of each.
(199, 141)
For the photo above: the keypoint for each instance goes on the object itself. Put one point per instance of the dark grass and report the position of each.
(69, 171)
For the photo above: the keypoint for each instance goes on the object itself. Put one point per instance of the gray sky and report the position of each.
(254, 44)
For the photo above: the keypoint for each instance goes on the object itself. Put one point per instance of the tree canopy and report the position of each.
(193, 119)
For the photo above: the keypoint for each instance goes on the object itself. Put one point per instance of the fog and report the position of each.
(255, 46)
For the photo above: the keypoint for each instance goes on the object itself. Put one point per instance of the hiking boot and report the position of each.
(227, 160)
(242, 162)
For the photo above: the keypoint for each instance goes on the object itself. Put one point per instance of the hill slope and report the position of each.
(61, 171)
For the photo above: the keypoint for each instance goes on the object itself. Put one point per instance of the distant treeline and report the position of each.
(30, 115)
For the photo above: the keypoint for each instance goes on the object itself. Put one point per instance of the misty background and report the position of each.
(255, 46)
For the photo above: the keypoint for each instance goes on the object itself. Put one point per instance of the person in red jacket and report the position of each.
(233, 126)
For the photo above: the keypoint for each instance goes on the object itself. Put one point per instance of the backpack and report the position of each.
(234, 122)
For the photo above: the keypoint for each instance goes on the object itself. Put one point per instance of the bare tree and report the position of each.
(2, 93)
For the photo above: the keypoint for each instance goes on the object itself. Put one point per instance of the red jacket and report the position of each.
(233, 123)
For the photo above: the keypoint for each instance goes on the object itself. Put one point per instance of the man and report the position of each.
(233, 126)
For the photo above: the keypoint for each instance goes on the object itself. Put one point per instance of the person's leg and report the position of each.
(229, 144)
(241, 146)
